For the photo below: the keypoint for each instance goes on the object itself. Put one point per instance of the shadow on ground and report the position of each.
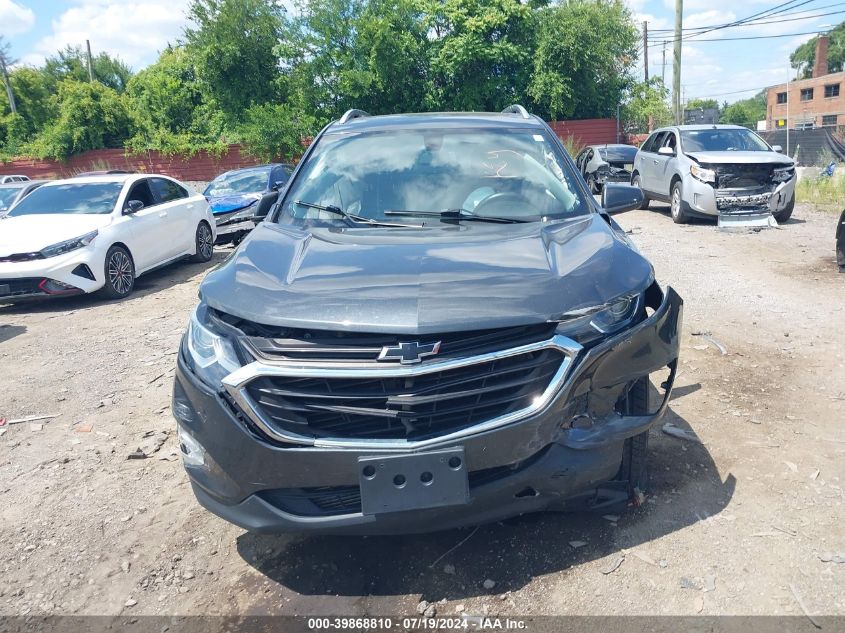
(685, 488)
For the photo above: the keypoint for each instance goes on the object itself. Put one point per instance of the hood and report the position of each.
(30, 233)
(225, 204)
(417, 281)
(741, 158)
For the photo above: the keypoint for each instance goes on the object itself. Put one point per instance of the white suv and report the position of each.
(712, 170)
(100, 232)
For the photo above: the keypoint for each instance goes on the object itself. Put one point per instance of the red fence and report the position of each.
(201, 166)
(588, 131)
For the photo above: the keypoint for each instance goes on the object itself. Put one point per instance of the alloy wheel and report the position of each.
(676, 201)
(120, 272)
(204, 241)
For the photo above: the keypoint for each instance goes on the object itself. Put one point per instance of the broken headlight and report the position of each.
(704, 175)
(69, 245)
(782, 174)
(590, 324)
(210, 355)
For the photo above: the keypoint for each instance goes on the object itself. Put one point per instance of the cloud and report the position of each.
(16, 19)
(134, 31)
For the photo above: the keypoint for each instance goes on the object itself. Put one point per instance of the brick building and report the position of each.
(809, 103)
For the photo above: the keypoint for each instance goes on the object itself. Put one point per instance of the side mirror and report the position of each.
(133, 206)
(617, 198)
(666, 151)
(277, 185)
(777, 148)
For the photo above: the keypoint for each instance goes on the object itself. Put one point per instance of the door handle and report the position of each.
(162, 214)
(655, 161)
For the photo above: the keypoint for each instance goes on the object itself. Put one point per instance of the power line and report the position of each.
(653, 32)
(760, 14)
(751, 37)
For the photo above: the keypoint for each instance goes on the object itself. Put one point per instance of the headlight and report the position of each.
(69, 245)
(601, 321)
(704, 175)
(783, 174)
(211, 356)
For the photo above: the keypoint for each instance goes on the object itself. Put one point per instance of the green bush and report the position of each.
(276, 130)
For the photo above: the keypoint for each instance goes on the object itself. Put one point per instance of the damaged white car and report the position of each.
(715, 171)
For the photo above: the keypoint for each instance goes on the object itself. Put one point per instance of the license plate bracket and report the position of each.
(393, 483)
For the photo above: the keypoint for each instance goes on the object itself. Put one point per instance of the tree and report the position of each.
(585, 52)
(34, 99)
(646, 100)
(72, 63)
(168, 107)
(233, 50)
(274, 130)
(703, 104)
(804, 57)
(481, 53)
(746, 111)
(90, 116)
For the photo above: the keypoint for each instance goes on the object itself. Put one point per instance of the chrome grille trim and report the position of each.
(236, 382)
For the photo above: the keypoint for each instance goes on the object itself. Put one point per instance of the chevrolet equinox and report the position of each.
(436, 326)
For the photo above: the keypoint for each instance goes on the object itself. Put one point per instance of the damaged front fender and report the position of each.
(607, 370)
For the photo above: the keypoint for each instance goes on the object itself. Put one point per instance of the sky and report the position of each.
(727, 70)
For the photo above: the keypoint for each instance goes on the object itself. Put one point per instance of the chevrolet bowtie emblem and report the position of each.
(409, 353)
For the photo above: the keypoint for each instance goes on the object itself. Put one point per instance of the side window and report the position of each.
(581, 159)
(650, 142)
(670, 141)
(279, 174)
(141, 191)
(167, 190)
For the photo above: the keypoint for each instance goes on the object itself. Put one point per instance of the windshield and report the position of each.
(488, 172)
(721, 140)
(89, 197)
(8, 195)
(247, 181)
(622, 154)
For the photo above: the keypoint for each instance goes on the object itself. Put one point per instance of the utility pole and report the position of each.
(645, 48)
(4, 60)
(663, 68)
(676, 62)
(90, 72)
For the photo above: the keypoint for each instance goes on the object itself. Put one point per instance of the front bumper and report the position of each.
(536, 463)
(700, 198)
(81, 271)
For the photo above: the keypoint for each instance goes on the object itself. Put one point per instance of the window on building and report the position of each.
(781, 97)
(806, 94)
(831, 90)
(829, 119)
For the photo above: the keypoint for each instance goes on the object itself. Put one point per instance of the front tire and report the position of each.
(783, 216)
(204, 244)
(637, 182)
(677, 204)
(119, 272)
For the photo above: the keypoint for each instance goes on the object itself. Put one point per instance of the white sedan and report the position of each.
(99, 233)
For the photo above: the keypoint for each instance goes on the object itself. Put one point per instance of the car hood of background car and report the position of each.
(30, 233)
(741, 157)
(225, 204)
(444, 278)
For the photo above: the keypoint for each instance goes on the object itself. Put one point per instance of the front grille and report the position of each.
(284, 344)
(407, 407)
(742, 176)
(20, 287)
(21, 257)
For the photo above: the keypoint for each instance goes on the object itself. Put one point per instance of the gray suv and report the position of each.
(712, 170)
(436, 325)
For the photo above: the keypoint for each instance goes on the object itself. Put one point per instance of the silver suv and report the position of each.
(714, 170)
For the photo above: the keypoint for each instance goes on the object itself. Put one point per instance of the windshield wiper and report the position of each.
(330, 208)
(455, 214)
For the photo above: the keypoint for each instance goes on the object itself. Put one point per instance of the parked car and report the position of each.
(241, 198)
(600, 164)
(712, 170)
(99, 233)
(437, 326)
(840, 243)
(12, 192)
(12, 178)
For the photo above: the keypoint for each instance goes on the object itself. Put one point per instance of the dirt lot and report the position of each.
(734, 525)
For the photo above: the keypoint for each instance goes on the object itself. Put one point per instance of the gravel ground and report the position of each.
(737, 524)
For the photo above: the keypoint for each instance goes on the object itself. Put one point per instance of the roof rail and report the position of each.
(352, 114)
(517, 109)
